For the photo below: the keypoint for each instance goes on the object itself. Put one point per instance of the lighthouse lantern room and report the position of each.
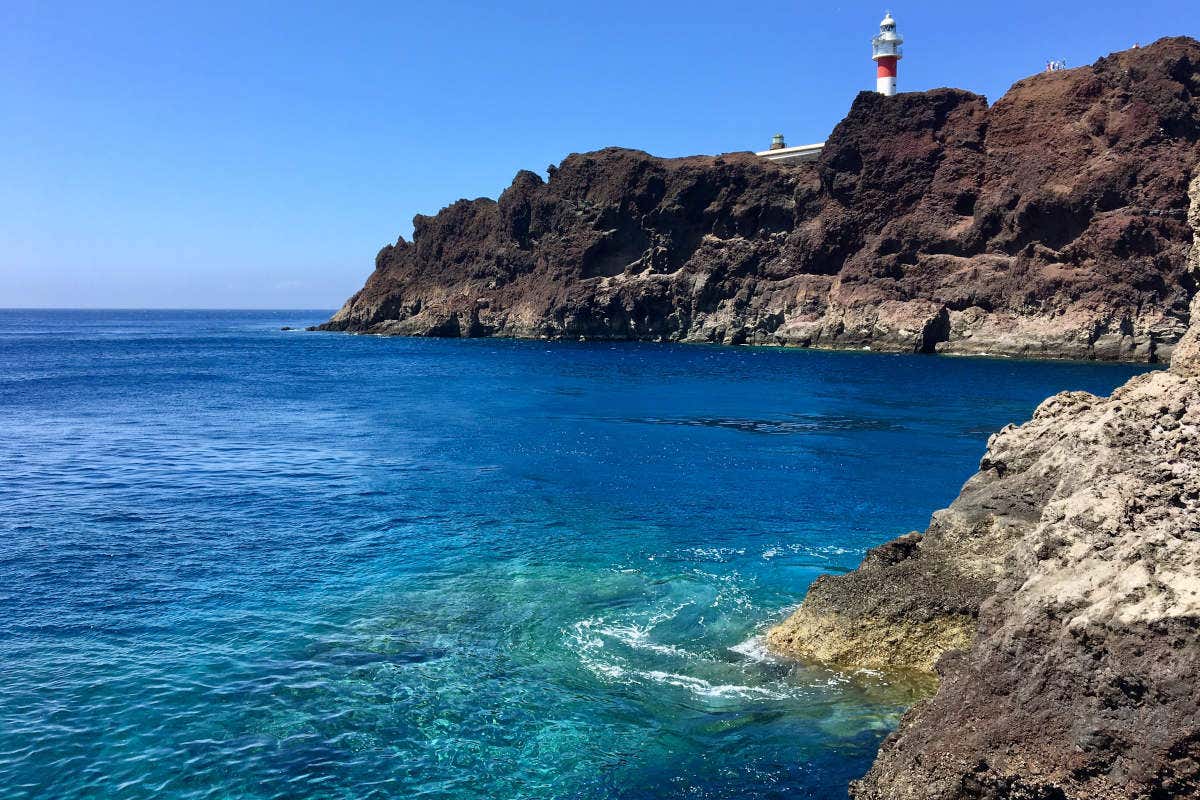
(886, 52)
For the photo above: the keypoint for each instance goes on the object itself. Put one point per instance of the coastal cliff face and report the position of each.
(1050, 224)
(1058, 598)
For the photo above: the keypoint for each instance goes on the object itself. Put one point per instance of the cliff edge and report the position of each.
(1050, 224)
(1058, 600)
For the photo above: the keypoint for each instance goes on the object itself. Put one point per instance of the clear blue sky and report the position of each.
(257, 155)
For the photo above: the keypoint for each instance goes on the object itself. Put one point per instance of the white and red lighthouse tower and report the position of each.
(886, 52)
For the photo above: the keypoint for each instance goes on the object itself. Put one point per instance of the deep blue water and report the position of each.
(241, 562)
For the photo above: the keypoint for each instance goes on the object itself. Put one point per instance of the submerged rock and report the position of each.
(1050, 224)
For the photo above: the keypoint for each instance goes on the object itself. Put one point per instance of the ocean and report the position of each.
(241, 562)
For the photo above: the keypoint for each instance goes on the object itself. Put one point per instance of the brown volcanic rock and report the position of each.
(1058, 597)
(617, 244)
(1050, 224)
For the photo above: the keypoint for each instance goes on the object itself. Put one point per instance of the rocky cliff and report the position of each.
(1058, 598)
(1050, 224)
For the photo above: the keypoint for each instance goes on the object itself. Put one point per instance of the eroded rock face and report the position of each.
(1051, 224)
(1083, 680)
(1058, 597)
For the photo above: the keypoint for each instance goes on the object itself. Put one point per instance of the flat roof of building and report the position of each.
(803, 152)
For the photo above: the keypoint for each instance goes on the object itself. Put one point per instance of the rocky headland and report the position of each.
(1050, 224)
(1058, 600)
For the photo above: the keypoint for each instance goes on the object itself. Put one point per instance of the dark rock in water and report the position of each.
(287, 328)
(1051, 224)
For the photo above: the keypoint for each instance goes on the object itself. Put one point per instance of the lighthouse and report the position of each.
(886, 52)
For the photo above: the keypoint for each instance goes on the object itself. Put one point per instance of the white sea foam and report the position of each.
(731, 593)
(663, 616)
(703, 688)
(637, 637)
(717, 554)
(604, 649)
(613, 671)
(753, 649)
(588, 646)
(650, 645)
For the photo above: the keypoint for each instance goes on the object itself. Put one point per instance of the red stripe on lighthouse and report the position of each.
(887, 67)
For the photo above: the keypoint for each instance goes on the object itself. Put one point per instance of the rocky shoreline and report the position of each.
(1051, 225)
(1058, 601)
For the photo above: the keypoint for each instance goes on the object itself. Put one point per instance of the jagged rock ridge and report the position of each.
(1051, 224)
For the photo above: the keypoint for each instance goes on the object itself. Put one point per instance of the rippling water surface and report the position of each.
(242, 562)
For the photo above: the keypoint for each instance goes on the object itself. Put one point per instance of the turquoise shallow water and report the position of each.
(241, 562)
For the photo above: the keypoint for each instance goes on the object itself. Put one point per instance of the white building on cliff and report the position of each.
(886, 52)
